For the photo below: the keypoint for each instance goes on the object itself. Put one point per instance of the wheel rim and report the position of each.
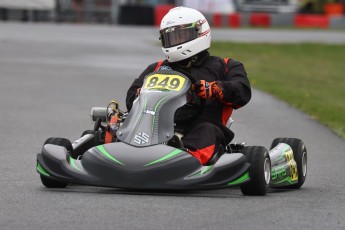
(267, 170)
(304, 164)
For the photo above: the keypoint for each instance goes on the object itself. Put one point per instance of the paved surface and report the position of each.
(50, 77)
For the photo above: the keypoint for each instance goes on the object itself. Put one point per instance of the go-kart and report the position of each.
(138, 150)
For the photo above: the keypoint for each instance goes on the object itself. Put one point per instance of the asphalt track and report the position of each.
(50, 77)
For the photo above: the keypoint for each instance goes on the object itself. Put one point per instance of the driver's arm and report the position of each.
(236, 87)
(233, 90)
(138, 83)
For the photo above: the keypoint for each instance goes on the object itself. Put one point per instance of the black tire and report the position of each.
(51, 183)
(61, 142)
(300, 156)
(260, 162)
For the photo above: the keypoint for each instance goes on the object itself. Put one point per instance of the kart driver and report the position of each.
(186, 37)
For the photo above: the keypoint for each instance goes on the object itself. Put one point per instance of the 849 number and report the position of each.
(159, 81)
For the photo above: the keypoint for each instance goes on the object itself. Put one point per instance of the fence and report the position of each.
(150, 12)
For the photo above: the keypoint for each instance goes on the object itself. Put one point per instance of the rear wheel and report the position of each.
(300, 156)
(50, 182)
(260, 171)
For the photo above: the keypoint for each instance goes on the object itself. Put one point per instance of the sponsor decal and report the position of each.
(278, 172)
(164, 67)
(141, 138)
(146, 111)
(292, 164)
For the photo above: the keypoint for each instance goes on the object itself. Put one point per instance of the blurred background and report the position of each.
(306, 34)
(59, 58)
(269, 36)
(228, 13)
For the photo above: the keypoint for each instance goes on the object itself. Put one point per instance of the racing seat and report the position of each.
(228, 134)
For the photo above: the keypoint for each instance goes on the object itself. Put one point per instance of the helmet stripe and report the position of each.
(204, 33)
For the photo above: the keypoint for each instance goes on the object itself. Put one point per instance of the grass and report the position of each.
(311, 77)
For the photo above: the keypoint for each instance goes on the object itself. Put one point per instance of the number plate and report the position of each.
(166, 82)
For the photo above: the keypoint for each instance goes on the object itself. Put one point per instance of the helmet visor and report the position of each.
(176, 35)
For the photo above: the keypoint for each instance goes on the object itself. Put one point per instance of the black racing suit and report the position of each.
(204, 135)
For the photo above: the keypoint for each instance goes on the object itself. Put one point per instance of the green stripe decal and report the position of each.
(141, 113)
(208, 168)
(170, 155)
(154, 116)
(242, 179)
(107, 155)
(72, 162)
(159, 103)
(201, 172)
(41, 170)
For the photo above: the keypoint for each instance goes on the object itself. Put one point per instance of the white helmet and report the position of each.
(184, 32)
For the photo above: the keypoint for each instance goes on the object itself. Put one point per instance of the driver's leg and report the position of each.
(203, 141)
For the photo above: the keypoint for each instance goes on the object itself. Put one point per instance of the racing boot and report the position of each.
(175, 142)
(208, 155)
(216, 155)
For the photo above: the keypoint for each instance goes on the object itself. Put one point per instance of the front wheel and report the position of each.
(300, 155)
(47, 181)
(60, 142)
(259, 172)
(51, 183)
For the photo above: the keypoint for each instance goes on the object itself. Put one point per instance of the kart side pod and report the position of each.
(284, 167)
